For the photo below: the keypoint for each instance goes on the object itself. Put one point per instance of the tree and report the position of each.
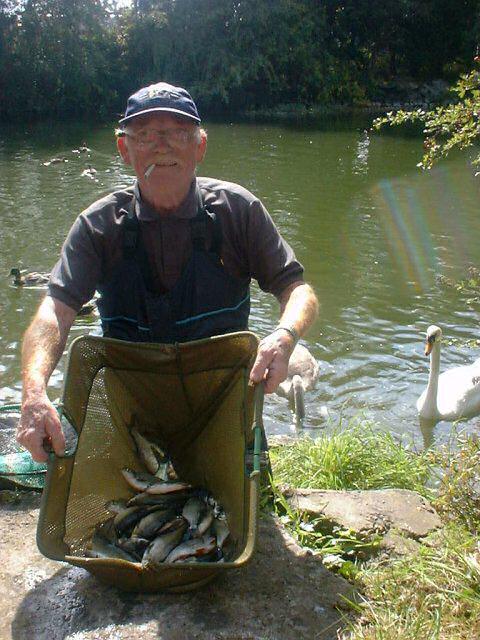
(60, 59)
(455, 125)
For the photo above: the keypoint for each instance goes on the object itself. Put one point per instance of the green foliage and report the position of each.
(341, 550)
(454, 126)
(433, 594)
(468, 290)
(60, 59)
(357, 457)
(79, 57)
(459, 489)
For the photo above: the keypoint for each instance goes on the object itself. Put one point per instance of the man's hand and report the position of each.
(271, 364)
(40, 426)
(43, 345)
(299, 308)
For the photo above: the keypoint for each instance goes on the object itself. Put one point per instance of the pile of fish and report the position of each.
(168, 521)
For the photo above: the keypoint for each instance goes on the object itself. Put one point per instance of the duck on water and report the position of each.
(31, 279)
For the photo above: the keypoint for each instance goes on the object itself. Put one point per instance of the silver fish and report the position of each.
(134, 546)
(149, 525)
(128, 518)
(137, 480)
(171, 473)
(220, 530)
(192, 511)
(102, 548)
(204, 523)
(168, 486)
(162, 471)
(164, 543)
(194, 547)
(145, 451)
(213, 556)
(166, 471)
(175, 499)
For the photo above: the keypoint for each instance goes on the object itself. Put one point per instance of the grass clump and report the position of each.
(358, 457)
(429, 594)
(433, 595)
(354, 458)
(458, 496)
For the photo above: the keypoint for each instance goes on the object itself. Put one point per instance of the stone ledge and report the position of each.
(368, 512)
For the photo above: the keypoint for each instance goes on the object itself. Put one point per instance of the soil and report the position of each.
(284, 593)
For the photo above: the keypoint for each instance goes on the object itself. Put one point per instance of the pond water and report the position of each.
(372, 230)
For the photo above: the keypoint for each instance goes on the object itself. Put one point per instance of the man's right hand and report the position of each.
(43, 345)
(40, 426)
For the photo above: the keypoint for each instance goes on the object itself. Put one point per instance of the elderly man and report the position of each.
(172, 258)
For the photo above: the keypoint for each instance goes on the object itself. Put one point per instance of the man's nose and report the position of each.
(161, 141)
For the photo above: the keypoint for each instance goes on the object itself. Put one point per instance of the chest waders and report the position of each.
(205, 301)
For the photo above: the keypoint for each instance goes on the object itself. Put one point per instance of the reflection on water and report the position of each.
(371, 229)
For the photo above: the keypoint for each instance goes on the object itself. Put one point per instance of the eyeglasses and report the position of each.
(151, 137)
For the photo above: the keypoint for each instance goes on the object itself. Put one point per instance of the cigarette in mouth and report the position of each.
(149, 171)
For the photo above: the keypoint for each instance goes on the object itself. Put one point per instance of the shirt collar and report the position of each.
(187, 209)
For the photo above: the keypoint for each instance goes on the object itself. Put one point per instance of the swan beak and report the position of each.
(428, 347)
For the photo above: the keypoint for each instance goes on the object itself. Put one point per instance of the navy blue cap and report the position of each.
(161, 97)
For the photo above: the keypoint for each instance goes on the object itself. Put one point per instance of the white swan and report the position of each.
(303, 372)
(454, 395)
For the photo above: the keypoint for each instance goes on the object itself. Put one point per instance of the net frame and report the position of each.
(195, 401)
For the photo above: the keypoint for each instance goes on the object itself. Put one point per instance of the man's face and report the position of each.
(169, 142)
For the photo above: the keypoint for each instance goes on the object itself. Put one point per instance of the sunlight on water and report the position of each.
(372, 231)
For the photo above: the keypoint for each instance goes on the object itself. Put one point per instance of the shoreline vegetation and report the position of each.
(401, 94)
(66, 60)
(429, 590)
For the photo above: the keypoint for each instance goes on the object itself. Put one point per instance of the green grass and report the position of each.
(433, 594)
(358, 457)
(458, 498)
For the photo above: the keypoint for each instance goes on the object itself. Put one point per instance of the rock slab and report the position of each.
(368, 512)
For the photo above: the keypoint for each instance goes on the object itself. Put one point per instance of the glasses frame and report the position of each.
(167, 136)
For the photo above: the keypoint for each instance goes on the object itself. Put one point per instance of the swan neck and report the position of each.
(298, 395)
(432, 387)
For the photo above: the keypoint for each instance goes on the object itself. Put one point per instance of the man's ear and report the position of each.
(123, 149)
(201, 150)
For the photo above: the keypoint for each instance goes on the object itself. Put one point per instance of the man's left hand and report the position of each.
(271, 364)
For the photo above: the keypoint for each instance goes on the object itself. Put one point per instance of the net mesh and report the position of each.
(17, 469)
(194, 401)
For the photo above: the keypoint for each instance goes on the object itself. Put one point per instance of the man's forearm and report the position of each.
(43, 345)
(299, 307)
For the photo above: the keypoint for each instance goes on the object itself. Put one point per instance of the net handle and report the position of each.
(257, 428)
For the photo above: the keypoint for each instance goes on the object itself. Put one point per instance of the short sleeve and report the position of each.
(272, 261)
(75, 276)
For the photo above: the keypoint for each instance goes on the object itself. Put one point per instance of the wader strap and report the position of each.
(132, 240)
(199, 223)
(130, 230)
(133, 246)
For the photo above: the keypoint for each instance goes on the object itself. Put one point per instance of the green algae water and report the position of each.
(371, 229)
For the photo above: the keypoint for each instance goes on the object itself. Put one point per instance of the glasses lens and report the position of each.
(174, 137)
